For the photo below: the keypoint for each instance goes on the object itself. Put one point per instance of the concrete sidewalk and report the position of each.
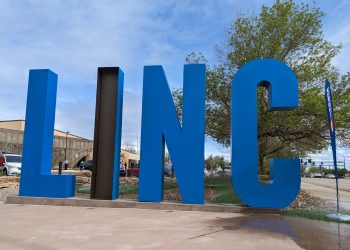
(325, 188)
(56, 227)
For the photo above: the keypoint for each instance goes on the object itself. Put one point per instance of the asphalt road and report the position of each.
(325, 189)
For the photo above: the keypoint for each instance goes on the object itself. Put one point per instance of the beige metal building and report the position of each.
(75, 147)
(129, 158)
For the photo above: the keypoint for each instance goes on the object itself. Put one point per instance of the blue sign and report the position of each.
(330, 115)
(185, 139)
(329, 104)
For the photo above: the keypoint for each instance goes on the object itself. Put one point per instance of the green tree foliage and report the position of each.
(292, 33)
(315, 170)
(215, 161)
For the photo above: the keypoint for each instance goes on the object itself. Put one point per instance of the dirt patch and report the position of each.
(128, 181)
(85, 173)
(8, 179)
(8, 189)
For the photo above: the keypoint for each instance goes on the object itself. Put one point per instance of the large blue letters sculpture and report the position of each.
(185, 143)
(282, 87)
(160, 124)
(36, 178)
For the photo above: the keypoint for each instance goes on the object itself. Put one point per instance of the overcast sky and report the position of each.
(73, 38)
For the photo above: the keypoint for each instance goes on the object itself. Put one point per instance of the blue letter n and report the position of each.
(185, 142)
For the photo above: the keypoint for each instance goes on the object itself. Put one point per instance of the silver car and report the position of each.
(10, 164)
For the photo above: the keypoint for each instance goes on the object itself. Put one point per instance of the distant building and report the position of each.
(129, 158)
(76, 148)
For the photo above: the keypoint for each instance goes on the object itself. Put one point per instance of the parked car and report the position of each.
(134, 170)
(168, 170)
(227, 170)
(88, 165)
(316, 175)
(10, 164)
(206, 172)
(330, 176)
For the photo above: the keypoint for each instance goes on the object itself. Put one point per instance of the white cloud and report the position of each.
(74, 37)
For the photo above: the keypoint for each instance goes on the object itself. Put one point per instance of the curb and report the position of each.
(123, 203)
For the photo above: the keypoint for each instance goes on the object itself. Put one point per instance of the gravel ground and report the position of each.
(307, 201)
(7, 189)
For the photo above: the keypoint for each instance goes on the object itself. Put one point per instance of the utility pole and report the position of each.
(65, 150)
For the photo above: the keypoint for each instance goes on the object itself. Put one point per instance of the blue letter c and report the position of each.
(282, 87)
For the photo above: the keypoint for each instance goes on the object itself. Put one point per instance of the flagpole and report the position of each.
(336, 177)
(329, 104)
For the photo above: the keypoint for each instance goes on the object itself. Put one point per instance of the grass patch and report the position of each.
(223, 185)
(128, 190)
(82, 189)
(310, 214)
(133, 189)
(170, 185)
(125, 190)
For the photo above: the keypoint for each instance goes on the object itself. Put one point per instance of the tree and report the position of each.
(291, 33)
(129, 148)
(215, 161)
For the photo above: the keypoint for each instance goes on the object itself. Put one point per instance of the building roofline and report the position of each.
(22, 120)
(72, 135)
(18, 120)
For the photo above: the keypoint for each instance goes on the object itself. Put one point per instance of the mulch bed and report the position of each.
(174, 195)
(307, 201)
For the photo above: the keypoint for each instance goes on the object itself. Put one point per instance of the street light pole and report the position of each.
(65, 150)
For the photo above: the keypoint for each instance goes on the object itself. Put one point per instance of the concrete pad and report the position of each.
(58, 227)
(339, 217)
(122, 203)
